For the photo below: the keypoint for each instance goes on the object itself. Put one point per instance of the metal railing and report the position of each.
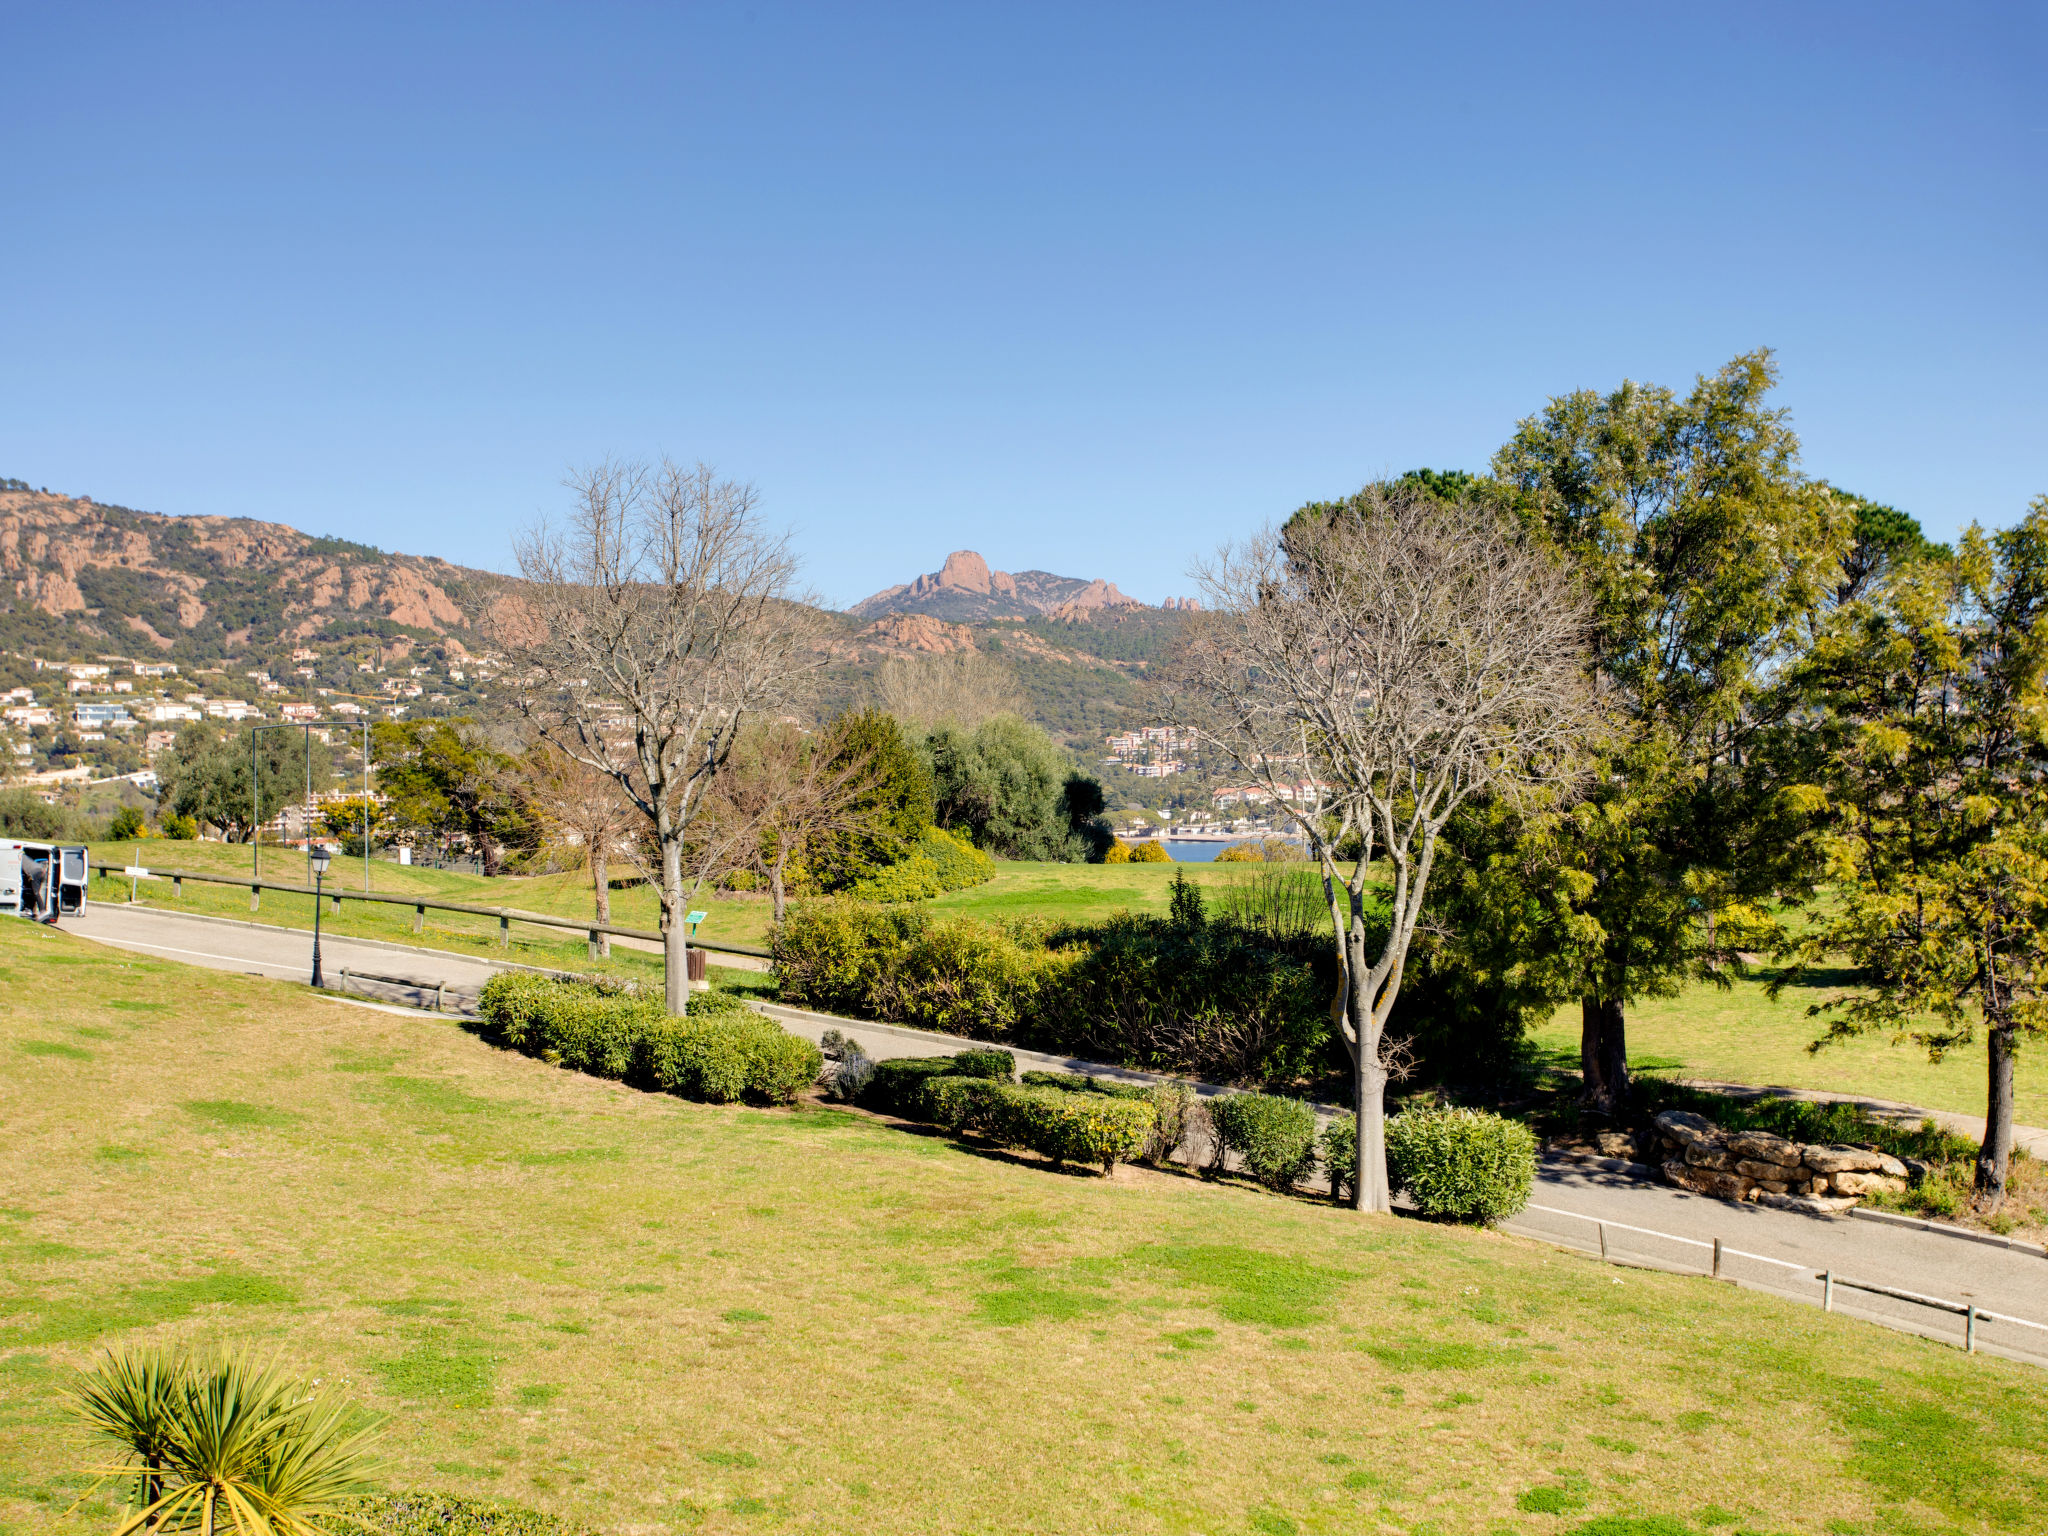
(421, 905)
(1971, 1314)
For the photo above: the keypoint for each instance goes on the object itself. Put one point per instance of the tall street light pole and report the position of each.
(319, 856)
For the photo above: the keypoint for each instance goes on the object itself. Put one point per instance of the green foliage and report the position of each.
(892, 807)
(722, 1052)
(1462, 1163)
(24, 814)
(1180, 994)
(1007, 787)
(180, 829)
(1705, 555)
(1065, 1127)
(206, 774)
(1243, 853)
(900, 965)
(1924, 751)
(125, 825)
(940, 862)
(227, 1445)
(1885, 541)
(444, 782)
(1275, 1137)
(1152, 851)
(1338, 1147)
(995, 1066)
(445, 1514)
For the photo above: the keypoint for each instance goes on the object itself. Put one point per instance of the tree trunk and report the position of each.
(601, 892)
(675, 932)
(1370, 1083)
(775, 887)
(1603, 1055)
(1994, 1158)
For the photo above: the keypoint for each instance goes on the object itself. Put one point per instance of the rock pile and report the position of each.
(1698, 1155)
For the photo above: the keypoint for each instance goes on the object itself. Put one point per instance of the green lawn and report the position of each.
(1741, 1036)
(655, 1316)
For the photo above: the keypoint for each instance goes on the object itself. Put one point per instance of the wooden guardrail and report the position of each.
(421, 905)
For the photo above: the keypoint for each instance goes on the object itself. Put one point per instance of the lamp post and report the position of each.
(320, 857)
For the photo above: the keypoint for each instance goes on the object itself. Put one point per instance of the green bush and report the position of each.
(1339, 1148)
(998, 1065)
(1171, 1102)
(897, 1087)
(444, 1514)
(1276, 1137)
(1461, 1163)
(1060, 1124)
(1184, 994)
(1150, 852)
(180, 829)
(940, 862)
(125, 825)
(722, 1052)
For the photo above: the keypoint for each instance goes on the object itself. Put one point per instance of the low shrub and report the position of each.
(1339, 1148)
(1150, 852)
(1464, 1164)
(444, 1514)
(1118, 852)
(851, 1077)
(940, 862)
(1057, 1123)
(1184, 994)
(998, 1065)
(722, 1052)
(1172, 1106)
(1275, 1137)
(897, 1087)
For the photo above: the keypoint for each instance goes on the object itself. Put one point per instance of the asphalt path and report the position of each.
(1647, 1223)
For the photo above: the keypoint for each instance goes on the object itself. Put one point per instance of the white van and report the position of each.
(43, 881)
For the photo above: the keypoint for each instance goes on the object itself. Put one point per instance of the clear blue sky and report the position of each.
(1087, 289)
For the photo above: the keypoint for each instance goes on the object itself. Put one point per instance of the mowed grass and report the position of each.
(656, 1316)
(1741, 1036)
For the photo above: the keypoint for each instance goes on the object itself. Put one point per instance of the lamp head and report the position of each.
(320, 860)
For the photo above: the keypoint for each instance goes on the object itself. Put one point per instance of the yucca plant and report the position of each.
(235, 1443)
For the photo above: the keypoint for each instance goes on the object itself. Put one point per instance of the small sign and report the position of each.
(136, 871)
(696, 917)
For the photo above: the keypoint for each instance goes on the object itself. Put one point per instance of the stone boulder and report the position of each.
(1866, 1183)
(1812, 1205)
(1841, 1159)
(1704, 1181)
(1709, 1156)
(1773, 1173)
(1763, 1147)
(1687, 1129)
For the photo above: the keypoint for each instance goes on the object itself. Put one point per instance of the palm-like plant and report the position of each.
(235, 1443)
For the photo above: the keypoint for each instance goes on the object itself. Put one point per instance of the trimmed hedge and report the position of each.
(722, 1052)
(1171, 1104)
(1276, 1137)
(1462, 1163)
(1061, 1124)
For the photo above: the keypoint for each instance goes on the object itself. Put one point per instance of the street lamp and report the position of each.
(320, 857)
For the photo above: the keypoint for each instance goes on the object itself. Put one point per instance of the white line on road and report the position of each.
(197, 954)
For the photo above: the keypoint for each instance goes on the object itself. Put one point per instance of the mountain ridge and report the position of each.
(965, 588)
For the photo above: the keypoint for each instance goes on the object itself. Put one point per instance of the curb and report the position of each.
(1989, 1239)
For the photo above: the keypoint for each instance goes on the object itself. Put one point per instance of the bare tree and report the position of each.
(963, 689)
(652, 628)
(580, 807)
(1372, 666)
(786, 790)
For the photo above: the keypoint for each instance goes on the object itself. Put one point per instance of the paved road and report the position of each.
(1571, 1198)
